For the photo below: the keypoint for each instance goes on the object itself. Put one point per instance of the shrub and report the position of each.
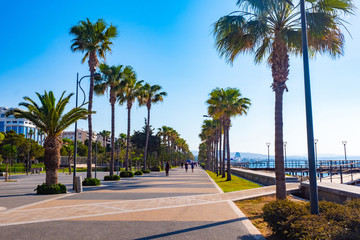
(277, 213)
(311, 227)
(50, 189)
(138, 172)
(146, 171)
(91, 182)
(202, 165)
(155, 169)
(291, 220)
(112, 178)
(126, 174)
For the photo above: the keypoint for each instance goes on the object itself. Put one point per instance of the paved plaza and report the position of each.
(181, 206)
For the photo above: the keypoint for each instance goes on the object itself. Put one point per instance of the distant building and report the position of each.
(82, 135)
(19, 125)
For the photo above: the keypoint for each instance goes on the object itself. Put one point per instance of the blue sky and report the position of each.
(170, 43)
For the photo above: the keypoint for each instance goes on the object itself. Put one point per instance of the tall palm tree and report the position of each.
(110, 80)
(226, 104)
(105, 135)
(95, 40)
(149, 94)
(130, 90)
(49, 116)
(271, 29)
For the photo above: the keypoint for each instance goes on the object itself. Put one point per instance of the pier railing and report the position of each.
(324, 168)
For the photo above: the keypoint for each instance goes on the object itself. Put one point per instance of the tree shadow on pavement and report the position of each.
(191, 229)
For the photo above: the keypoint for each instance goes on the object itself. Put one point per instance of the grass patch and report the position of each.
(252, 208)
(236, 183)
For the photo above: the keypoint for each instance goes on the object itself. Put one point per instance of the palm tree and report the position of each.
(105, 135)
(227, 103)
(130, 90)
(110, 80)
(95, 40)
(271, 29)
(149, 95)
(49, 116)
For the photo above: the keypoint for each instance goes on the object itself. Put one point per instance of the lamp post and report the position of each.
(316, 158)
(344, 142)
(117, 157)
(285, 143)
(78, 82)
(314, 201)
(268, 146)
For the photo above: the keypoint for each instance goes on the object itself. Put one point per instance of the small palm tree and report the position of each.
(95, 40)
(149, 94)
(271, 30)
(110, 80)
(130, 91)
(225, 104)
(49, 116)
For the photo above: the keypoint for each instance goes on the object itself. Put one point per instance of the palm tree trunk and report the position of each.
(279, 151)
(208, 156)
(224, 148)
(147, 138)
(91, 94)
(280, 72)
(217, 155)
(220, 141)
(52, 159)
(112, 135)
(228, 152)
(128, 142)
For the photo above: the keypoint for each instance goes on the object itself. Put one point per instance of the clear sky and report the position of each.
(170, 43)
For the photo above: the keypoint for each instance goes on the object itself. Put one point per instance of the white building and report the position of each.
(19, 125)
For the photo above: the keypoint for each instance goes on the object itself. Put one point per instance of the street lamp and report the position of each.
(344, 142)
(316, 159)
(268, 146)
(78, 82)
(314, 201)
(285, 143)
(117, 156)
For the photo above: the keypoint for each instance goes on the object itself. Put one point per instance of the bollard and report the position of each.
(78, 184)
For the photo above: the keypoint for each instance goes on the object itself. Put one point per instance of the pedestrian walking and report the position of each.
(182, 165)
(186, 166)
(167, 168)
(192, 166)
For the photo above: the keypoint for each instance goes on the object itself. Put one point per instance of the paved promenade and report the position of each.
(182, 206)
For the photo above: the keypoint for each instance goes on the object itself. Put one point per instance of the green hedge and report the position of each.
(155, 169)
(138, 172)
(292, 220)
(146, 171)
(91, 182)
(51, 189)
(126, 174)
(112, 178)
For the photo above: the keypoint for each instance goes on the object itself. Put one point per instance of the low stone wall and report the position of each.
(263, 178)
(334, 192)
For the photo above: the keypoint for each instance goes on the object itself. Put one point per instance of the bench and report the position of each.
(36, 170)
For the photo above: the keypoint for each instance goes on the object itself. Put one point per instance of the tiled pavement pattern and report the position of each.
(153, 199)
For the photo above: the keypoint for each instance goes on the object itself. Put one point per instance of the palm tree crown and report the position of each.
(93, 38)
(49, 116)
